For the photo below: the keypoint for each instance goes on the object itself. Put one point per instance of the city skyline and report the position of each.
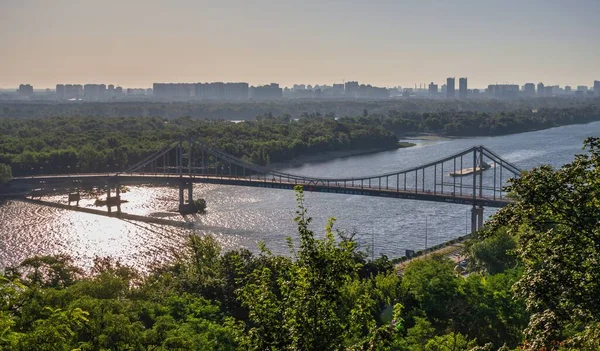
(590, 82)
(386, 43)
(241, 91)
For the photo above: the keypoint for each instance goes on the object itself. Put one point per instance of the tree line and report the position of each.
(93, 144)
(248, 110)
(474, 123)
(100, 144)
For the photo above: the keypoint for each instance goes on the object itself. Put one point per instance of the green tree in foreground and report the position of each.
(555, 220)
(493, 254)
(316, 302)
(326, 296)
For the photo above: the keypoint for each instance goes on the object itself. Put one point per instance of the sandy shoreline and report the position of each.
(332, 155)
(327, 156)
(426, 137)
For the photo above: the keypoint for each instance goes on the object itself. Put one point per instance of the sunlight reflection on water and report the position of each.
(242, 217)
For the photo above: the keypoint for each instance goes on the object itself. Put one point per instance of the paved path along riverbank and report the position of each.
(455, 252)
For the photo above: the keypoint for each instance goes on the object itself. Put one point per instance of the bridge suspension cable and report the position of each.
(475, 173)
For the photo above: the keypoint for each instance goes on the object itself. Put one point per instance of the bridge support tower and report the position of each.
(189, 206)
(108, 201)
(113, 201)
(476, 218)
(118, 193)
(74, 197)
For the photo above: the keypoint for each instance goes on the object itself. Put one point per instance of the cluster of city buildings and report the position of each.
(508, 91)
(242, 91)
(95, 92)
(219, 91)
(350, 90)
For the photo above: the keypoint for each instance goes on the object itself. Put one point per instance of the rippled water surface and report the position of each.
(242, 217)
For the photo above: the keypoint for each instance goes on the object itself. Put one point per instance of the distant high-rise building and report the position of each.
(567, 89)
(74, 91)
(433, 89)
(25, 90)
(351, 89)
(60, 91)
(540, 89)
(216, 90)
(94, 91)
(529, 89)
(450, 88)
(266, 92)
(236, 91)
(597, 87)
(337, 91)
(177, 91)
(462, 88)
(503, 91)
(582, 88)
(200, 91)
(90, 91)
(370, 92)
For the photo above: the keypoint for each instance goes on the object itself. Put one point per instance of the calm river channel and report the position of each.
(242, 217)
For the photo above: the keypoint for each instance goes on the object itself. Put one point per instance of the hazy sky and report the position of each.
(134, 43)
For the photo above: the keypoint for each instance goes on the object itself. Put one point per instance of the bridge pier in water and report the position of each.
(189, 206)
(118, 197)
(113, 201)
(108, 196)
(74, 197)
(476, 218)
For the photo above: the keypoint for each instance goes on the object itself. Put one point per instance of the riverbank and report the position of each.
(453, 250)
(428, 137)
(445, 137)
(332, 155)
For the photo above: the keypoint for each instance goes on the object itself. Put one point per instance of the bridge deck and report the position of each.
(59, 181)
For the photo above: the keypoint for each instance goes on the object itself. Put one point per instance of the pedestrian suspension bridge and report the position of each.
(476, 176)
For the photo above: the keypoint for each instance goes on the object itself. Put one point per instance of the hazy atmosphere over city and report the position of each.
(134, 43)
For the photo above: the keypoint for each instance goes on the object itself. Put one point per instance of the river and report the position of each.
(243, 217)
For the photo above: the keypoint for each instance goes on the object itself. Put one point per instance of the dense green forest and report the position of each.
(532, 284)
(247, 110)
(93, 144)
(471, 123)
(99, 144)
